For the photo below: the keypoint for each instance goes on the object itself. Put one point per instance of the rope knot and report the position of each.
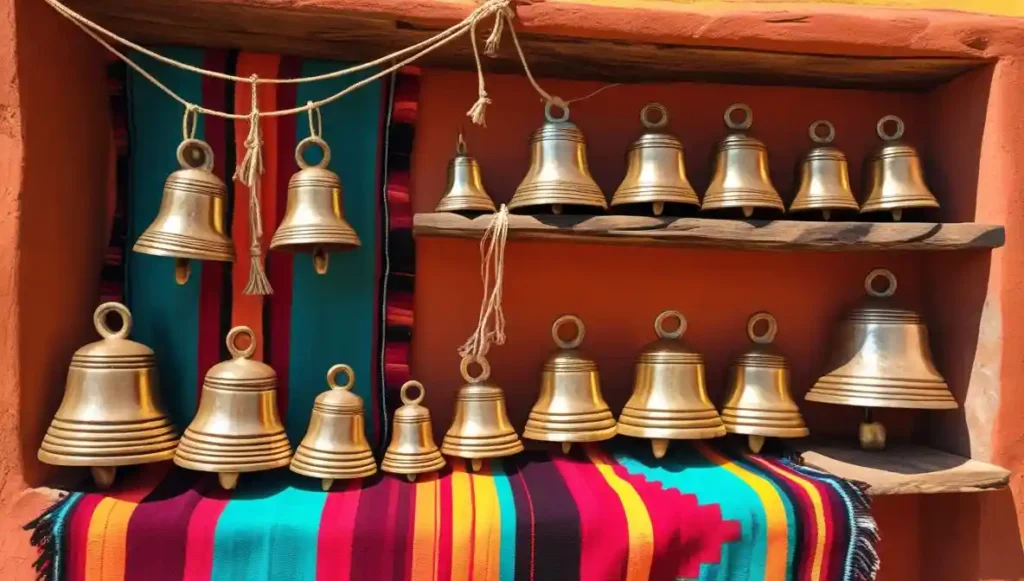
(502, 13)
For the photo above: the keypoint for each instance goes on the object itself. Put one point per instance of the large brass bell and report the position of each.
(190, 223)
(558, 174)
(881, 358)
(111, 413)
(824, 176)
(465, 191)
(314, 219)
(335, 446)
(759, 403)
(740, 177)
(412, 450)
(570, 407)
(481, 428)
(237, 427)
(655, 173)
(670, 399)
(893, 177)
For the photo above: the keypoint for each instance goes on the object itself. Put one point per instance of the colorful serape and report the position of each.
(599, 514)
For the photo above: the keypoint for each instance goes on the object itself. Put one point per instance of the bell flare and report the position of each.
(776, 424)
(584, 427)
(481, 428)
(317, 464)
(653, 424)
(465, 191)
(117, 444)
(558, 174)
(655, 173)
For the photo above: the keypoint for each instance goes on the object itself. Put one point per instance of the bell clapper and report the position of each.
(181, 270)
(556, 208)
(320, 260)
(755, 443)
(327, 483)
(566, 446)
(477, 464)
(826, 214)
(103, 476)
(747, 211)
(872, 433)
(659, 447)
(659, 208)
(897, 215)
(228, 480)
(410, 477)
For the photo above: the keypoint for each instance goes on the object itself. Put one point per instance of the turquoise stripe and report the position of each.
(59, 540)
(269, 529)
(787, 502)
(507, 510)
(334, 316)
(166, 314)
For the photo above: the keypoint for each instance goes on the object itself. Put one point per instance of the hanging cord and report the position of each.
(189, 123)
(249, 171)
(490, 327)
(479, 109)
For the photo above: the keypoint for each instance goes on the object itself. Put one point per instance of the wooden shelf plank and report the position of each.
(904, 469)
(731, 234)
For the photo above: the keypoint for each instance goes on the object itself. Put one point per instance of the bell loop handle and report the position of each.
(99, 318)
(817, 137)
(405, 392)
(662, 119)
(745, 123)
(334, 371)
(769, 334)
(872, 276)
(233, 335)
(659, 325)
(485, 368)
(460, 144)
(195, 154)
(885, 135)
(549, 114)
(580, 332)
(300, 151)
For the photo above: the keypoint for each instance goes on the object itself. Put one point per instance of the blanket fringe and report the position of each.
(44, 539)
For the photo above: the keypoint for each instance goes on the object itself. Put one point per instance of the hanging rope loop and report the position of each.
(249, 172)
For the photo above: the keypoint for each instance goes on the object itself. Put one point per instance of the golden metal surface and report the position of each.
(893, 178)
(465, 191)
(111, 414)
(655, 172)
(824, 176)
(190, 223)
(759, 401)
(740, 176)
(558, 174)
(480, 428)
(314, 218)
(412, 449)
(335, 446)
(670, 399)
(237, 427)
(570, 407)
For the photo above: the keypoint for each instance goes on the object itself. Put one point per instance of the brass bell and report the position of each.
(335, 446)
(570, 407)
(237, 427)
(465, 191)
(558, 174)
(314, 218)
(111, 413)
(824, 176)
(740, 176)
(190, 223)
(481, 428)
(412, 450)
(893, 177)
(881, 358)
(655, 173)
(670, 399)
(759, 403)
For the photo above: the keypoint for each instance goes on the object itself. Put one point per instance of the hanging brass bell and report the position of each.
(481, 428)
(465, 191)
(412, 450)
(759, 403)
(335, 446)
(314, 218)
(558, 174)
(740, 177)
(111, 413)
(655, 173)
(190, 223)
(893, 177)
(237, 427)
(824, 176)
(881, 358)
(670, 399)
(570, 407)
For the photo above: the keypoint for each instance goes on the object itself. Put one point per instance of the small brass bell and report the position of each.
(893, 176)
(412, 450)
(655, 173)
(824, 176)
(111, 413)
(570, 407)
(670, 399)
(335, 446)
(481, 428)
(740, 177)
(314, 219)
(190, 223)
(881, 358)
(465, 191)
(237, 427)
(759, 403)
(558, 174)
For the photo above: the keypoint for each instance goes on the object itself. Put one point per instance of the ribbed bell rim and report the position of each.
(740, 141)
(314, 176)
(761, 359)
(560, 130)
(830, 153)
(656, 140)
(671, 351)
(894, 150)
(338, 401)
(569, 360)
(197, 181)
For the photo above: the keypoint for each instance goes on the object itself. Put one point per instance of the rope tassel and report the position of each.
(490, 326)
(248, 172)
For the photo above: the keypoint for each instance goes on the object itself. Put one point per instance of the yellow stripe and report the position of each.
(97, 539)
(487, 541)
(638, 521)
(819, 514)
(462, 522)
(424, 540)
(775, 512)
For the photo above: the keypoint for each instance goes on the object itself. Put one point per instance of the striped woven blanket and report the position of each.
(601, 513)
